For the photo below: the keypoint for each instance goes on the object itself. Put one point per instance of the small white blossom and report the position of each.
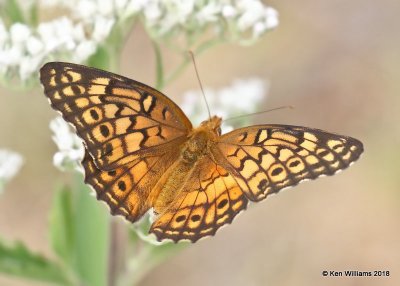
(243, 95)
(70, 147)
(152, 12)
(252, 11)
(134, 7)
(34, 46)
(29, 66)
(271, 18)
(75, 34)
(166, 18)
(228, 11)
(10, 164)
(240, 98)
(209, 13)
(19, 33)
(84, 50)
(25, 49)
(84, 24)
(102, 28)
(120, 4)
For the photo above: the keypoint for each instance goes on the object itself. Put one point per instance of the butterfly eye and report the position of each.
(219, 130)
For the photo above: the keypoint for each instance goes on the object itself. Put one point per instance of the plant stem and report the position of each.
(117, 247)
(186, 59)
(159, 67)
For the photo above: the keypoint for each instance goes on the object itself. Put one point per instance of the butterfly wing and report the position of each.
(210, 198)
(127, 190)
(267, 158)
(119, 119)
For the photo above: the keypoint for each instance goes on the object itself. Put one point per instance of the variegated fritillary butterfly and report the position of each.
(142, 152)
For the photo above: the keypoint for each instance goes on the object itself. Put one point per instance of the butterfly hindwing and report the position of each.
(119, 119)
(209, 199)
(267, 158)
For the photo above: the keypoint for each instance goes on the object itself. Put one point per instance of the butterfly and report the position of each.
(142, 153)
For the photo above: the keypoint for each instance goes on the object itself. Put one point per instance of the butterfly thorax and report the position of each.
(200, 139)
(193, 151)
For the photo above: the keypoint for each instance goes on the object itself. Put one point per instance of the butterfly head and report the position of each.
(213, 124)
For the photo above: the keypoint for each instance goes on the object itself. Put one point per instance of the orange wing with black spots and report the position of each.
(209, 199)
(128, 190)
(268, 158)
(119, 119)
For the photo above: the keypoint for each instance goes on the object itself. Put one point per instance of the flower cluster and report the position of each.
(243, 96)
(24, 48)
(70, 147)
(233, 19)
(10, 163)
(84, 24)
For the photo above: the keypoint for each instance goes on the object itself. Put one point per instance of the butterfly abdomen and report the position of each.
(170, 184)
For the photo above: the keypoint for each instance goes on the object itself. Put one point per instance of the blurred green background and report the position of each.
(338, 63)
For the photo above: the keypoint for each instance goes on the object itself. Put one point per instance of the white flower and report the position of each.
(85, 24)
(166, 18)
(11, 56)
(133, 7)
(240, 98)
(34, 46)
(152, 12)
(209, 13)
(84, 50)
(10, 163)
(85, 9)
(75, 34)
(29, 65)
(120, 4)
(228, 11)
(271, 18)
(19, 33)
(243, 95)
(70, 147)
(251, 12)
(102, 28)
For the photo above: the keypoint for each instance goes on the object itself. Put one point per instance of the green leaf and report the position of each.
(13, 12)
(62, 232)
(17, 260)
(92, 228)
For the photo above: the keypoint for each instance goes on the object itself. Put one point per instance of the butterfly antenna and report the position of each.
(259, 112)
(201, 86)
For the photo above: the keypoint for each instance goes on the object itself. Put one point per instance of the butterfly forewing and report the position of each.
(268, 158)
(120, 120)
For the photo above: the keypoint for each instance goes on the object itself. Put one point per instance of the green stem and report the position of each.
(159, 67)
(148, 257)
(178, 70)
(118, 234)
(12, 12)
(186, 59)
